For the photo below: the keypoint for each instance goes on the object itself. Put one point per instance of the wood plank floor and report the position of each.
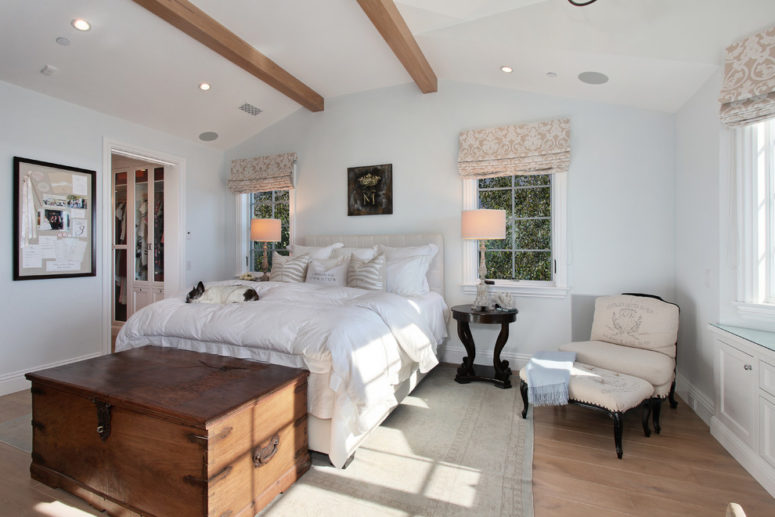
(682, 471)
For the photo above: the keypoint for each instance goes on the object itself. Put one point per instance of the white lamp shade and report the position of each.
(483, 224)
(265, 230)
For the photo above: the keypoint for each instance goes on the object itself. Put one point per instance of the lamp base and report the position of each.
(482, 301)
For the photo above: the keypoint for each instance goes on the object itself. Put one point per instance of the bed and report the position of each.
(365, 350)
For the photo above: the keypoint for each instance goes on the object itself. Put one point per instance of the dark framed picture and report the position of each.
(370, 190)
(53, 220)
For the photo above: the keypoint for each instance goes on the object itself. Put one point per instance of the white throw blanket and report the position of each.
(548, 374)
(353, 335)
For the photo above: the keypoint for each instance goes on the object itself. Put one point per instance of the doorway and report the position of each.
(143, 226)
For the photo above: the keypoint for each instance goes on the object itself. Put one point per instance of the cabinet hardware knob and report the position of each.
(747, 367)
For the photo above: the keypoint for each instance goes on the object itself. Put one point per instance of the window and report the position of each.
(532, 256)
(275, 204)
(756, 188)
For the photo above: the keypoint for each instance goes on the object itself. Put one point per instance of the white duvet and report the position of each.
(352, 336)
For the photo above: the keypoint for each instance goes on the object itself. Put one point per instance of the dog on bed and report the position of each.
(221, 294)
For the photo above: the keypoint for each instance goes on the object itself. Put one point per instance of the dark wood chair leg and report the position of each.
(523, 391)
(671, 396)
(617, 416)
(656, 409)
(645, 418)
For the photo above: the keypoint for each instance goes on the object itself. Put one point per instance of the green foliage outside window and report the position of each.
(526, 252)
(270, 205)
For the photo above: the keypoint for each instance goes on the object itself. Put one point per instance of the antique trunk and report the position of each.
(166, 432)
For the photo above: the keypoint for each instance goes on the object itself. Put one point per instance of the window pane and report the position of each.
(533, 202)
(533, 265)
(281, 195)
(496, 199)
(498, 265)
(533, 234)
(262, 196)
(263, 211)
(281, 213)
(538, 179)
(504, 181)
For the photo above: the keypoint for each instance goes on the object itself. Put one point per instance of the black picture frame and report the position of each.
(54, 220)
(370, 190)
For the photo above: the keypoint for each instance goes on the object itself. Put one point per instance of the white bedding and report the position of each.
(355, 340)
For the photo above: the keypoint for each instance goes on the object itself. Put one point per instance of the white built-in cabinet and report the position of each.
(744, 419)
(138, 239)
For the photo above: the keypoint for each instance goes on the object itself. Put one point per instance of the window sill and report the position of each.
(521, 289)
(755, 311)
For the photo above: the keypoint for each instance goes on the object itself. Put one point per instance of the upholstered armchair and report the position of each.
(637, 335)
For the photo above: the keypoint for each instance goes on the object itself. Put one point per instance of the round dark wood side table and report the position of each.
(500, 372)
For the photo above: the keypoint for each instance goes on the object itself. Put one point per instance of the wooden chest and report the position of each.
(166, 432)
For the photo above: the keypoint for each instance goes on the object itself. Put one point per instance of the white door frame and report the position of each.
(174, 217)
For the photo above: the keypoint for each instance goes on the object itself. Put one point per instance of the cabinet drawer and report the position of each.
(767, 377)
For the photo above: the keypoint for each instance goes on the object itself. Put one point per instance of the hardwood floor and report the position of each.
(682, 471)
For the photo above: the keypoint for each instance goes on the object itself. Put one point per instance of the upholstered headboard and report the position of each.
(435, 271)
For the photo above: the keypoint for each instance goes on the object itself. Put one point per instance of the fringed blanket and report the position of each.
(548, 374)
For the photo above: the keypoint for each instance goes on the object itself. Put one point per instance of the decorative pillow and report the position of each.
(327, 272)
(367, 274)
(314, 252)
(407, 267)
(288, 269)
(406, 276)
(362, 253)
(636, 321)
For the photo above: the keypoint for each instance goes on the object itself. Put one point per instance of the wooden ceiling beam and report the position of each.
(199, 25)
(389, 22)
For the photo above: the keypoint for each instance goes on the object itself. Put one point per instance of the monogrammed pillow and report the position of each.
(288, 269)
(327, 272)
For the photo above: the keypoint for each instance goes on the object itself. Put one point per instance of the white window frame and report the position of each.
(755, 184)
(243, 228)
(558, 286)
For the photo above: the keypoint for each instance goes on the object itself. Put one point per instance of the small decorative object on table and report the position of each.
(483, 224)
(499, 373)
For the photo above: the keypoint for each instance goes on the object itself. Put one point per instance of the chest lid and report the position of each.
(191, 387)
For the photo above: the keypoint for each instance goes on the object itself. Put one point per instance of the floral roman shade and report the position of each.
(535, 148)
(262, 174)
(748, 92)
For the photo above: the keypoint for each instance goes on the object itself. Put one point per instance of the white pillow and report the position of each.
(406, 276)
(288, 269)
(327, 272)
(362, 253)
(367, 274)
(314, 252)
(407, 267)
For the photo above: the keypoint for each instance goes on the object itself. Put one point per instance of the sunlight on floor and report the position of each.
(415, 401)
(58, 509)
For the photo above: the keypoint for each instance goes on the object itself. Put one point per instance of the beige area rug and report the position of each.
(449, 449)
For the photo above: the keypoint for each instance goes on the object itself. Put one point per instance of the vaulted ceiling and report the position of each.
(134, 65)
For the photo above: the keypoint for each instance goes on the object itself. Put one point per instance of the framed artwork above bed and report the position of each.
(370, 190)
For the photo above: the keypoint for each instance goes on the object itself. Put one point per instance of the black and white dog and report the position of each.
(221, 294)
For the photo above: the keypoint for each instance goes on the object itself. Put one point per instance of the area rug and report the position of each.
(448, 450)
(18, 433)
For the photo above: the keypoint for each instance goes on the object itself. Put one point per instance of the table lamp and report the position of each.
(265, 230)
(483, 224)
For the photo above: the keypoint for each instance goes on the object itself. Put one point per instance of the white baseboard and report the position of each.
(753, 463)
(454, 354)
(698, 401)
(15, 381)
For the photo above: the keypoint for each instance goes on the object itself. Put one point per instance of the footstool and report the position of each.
(597, 388)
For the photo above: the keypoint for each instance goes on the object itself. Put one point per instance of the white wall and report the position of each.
(45, 322)
(621, 202)
(698, 148)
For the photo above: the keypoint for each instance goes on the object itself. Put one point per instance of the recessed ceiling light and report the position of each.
(204, 86)
(593, 78)
(208, 136)
(63, 41)
(81, 24)
(507, 69)
(49, 70)
(551, 75)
